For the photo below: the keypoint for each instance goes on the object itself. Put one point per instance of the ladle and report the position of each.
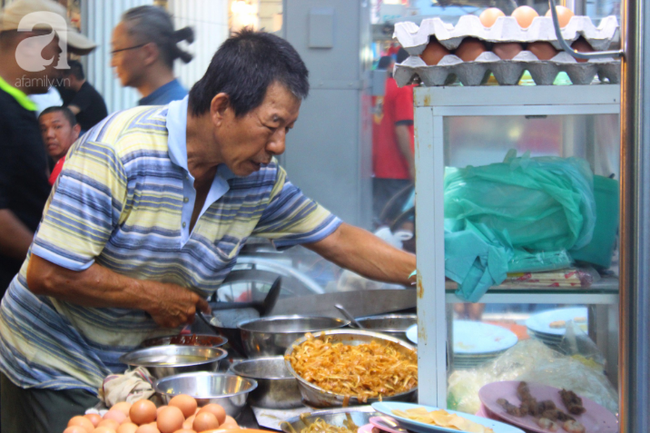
(348, 316)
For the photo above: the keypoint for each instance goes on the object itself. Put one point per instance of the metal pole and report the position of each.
(634, 333)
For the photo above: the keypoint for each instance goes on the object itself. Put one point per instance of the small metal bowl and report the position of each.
(276, 387)
(186, 340)
(316, 396)
(271, 336)
(163, 361)
(394, 325)
(227, 390)
(360, 415)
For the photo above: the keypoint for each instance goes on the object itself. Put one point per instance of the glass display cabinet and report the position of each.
(560, 330)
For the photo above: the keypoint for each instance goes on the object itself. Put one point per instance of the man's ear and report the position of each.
(219, 107)
(76, 130)
(151, 53)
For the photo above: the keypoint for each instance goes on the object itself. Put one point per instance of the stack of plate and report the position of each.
(550, 326)
(475, 343)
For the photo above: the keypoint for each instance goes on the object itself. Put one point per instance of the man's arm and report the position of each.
(364, 253)
(15, 237)
(168, 304)
(403, 134)
(75, 110)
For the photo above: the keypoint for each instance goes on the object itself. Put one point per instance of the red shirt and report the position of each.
(56, 170)
(396, 106)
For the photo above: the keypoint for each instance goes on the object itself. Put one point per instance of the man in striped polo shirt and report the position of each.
(148, 217)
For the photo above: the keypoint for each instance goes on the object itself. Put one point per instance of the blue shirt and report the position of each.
(163, 95)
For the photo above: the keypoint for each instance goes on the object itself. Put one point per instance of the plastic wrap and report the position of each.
(532, 361)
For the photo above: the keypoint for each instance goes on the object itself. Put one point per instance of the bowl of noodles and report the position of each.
(340, 420)
(346, 367)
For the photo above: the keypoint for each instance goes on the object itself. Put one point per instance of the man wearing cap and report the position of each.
(31, 43)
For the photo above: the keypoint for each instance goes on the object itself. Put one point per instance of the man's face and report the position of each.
(57, 134)
(128, 63)
(246, 142)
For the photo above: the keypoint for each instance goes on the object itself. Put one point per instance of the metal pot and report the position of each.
(271, 336)
(163, 361)
(394, 325)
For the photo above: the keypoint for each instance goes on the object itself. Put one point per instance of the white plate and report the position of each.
(475, 338)
(540, 322)
(420, 427)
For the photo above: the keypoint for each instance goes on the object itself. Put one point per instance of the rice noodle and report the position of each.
(370, 370)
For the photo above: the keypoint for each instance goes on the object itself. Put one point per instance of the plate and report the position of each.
(420, 427)
(387, 424)
(412, 333)
(596, 419)
(475, 338)
(540, 323)
(365, 428)
(481, 338)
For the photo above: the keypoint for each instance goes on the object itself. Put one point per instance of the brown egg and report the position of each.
(542, 50)
(142, 412)
(216, 410)
(507, 50)
(185, 430)
(110, 423)
(582, 46)
(159, 408)
(470, 49)
(524, 16)
(123, 406)
(170, 419)
(81, 421)
(103, 429)
(127, 427)
(75, 429)
(229, 423)
(489, 16)
(433, 52)
(189, 421)
(205, 421)
(564, 15)
(147, 428)
(185, 403)
(94, 418)
(116, 415)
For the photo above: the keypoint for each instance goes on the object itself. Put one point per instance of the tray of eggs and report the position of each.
(505, 47)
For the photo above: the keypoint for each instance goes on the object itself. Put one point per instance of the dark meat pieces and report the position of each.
(511, 408)
(572, 402)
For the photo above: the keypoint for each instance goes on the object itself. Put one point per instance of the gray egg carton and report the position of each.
(415, 38)
(507, 72)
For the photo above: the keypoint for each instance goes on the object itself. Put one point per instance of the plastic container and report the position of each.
(599, 251)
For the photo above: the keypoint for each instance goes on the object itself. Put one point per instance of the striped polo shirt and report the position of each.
(123, 201)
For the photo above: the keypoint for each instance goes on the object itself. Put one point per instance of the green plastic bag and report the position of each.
(538, 204)
(522, 215)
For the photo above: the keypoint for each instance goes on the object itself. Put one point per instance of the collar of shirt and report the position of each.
(18, 95)
(158, 95)
(177, 144)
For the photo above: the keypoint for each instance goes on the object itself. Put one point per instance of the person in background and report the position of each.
(393, 141)
(24, 186)
(59, 129)
(144, 47)
(87, 104)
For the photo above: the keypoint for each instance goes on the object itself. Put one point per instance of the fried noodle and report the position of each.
(365, 371)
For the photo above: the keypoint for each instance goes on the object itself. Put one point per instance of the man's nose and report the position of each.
(277, 144)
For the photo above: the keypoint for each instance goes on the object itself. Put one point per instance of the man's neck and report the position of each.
(78, 84)
(14, 75)
(156, 78)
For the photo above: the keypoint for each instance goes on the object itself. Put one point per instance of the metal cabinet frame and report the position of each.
(432, 105)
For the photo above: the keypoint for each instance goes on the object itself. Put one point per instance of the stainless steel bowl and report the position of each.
(276, 387)
(394, 325)
(186, 340)
(163, 361)
(271, 336)
(360, 415)
(317, 397)
(227, 390)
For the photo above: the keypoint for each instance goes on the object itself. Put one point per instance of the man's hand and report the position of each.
(176, 305)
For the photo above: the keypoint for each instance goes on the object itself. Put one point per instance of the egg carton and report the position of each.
(414, 39)
(507, 72)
